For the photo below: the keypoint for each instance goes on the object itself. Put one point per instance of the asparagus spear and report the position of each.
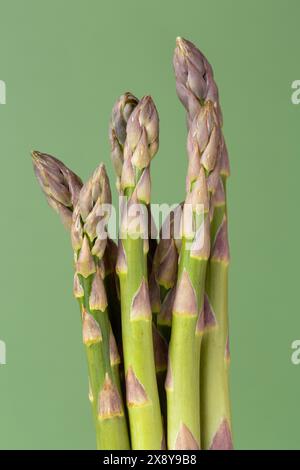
(89, 241)
(141, 388)
(121, 113)
(62, 188)
(195, 86)
(182, 382)
(215, 351)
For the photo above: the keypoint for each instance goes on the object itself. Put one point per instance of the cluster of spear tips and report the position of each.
(154, 312)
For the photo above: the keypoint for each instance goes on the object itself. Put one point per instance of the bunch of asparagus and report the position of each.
(154, 313)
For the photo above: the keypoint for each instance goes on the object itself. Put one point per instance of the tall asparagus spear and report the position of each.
(182, 382)
(121, 113)
(141, 388)
(62, 189)
(195, 86)
(89, 242)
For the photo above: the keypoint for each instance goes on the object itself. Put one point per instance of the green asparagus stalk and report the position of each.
(182, 383)
(121, 113)
(195, 86)
(89, 240)
(62, 189)
(140, 146)
(215, 349)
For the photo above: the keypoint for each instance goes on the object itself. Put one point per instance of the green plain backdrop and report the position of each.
(64, 63)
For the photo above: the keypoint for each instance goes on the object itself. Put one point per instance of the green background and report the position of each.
(64, 64)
